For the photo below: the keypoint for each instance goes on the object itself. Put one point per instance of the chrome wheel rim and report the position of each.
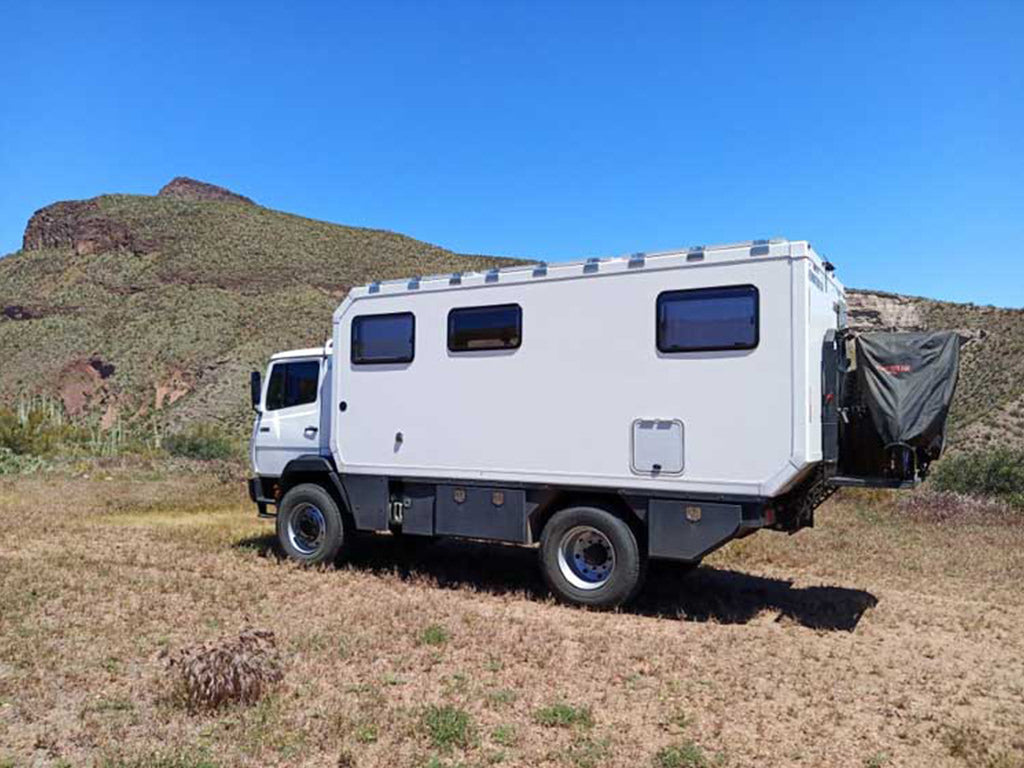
(586, 557)
(307, 528)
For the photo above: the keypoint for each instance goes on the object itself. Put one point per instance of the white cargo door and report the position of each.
(657, 446)
(289, 424)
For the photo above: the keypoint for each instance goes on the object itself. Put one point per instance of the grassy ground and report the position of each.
(871, 640)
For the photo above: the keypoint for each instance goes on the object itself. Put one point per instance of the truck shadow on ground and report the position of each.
(672, 590)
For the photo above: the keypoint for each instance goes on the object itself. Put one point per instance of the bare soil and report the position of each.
(874, 639)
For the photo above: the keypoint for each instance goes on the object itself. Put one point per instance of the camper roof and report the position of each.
(530, 271)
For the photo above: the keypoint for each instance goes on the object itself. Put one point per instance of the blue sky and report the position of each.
(891, 134)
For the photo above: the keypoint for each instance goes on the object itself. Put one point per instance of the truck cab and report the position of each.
(290, 422)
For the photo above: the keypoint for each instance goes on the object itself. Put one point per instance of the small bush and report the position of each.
(12, 463)
(36, 427)
(504, 696)
(205, 442)
(998, 472)
(687, 755)
(505, 735)
(366, 733)
(564, 716)
(447, 726)
(585, 752)
(241, 670)
(435, 634)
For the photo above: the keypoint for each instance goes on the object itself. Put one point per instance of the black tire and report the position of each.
(577, 564)
(310, 528)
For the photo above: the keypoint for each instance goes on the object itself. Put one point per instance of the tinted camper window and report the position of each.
(708, 319)
(383, 338)
(476, 328)
(292, 384)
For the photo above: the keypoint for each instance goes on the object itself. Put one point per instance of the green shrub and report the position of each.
(564, 716)
(447, 726)
(38, 426)
(435, 634)
(687, 755)
(505, 735)
(12, 463)
(997, 472)
(35, 427)
(202, 441)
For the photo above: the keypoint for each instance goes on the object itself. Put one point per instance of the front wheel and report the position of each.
(310, 528)
(590, 557)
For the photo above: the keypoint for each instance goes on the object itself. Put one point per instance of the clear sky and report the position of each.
(889, 134)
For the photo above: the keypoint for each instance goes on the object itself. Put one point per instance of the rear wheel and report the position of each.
(310, 528)
(591, 557)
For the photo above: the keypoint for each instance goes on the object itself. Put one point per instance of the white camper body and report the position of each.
(574, 401)
(611, 410)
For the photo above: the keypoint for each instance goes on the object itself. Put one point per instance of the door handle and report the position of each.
(310, 431)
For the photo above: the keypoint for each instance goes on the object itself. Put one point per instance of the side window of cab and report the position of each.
(293, 383)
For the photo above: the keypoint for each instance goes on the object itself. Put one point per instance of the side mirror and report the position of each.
(255, 389)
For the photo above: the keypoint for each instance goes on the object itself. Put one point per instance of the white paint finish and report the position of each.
(290, 432)
(560, 408)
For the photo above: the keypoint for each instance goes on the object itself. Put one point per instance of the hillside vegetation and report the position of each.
(146, 312)
(135, 308)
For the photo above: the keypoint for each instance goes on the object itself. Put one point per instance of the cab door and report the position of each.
(289, 423)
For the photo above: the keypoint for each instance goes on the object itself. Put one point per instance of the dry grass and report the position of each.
(877, 638)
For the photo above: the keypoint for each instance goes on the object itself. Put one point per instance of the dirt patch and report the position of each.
(82, 382)
(172, 389)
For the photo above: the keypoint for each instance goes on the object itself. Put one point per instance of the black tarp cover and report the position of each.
(908, 381)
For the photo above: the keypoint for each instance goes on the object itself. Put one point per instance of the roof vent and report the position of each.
(414, 284)
(492, 276)
(637, 260)
(696, 253)
(592, 265)
(760, 248)
(455, 279)
(541, 269)
(374, 287)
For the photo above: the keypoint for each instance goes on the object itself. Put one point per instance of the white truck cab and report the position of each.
(289, 419)
(611, 410)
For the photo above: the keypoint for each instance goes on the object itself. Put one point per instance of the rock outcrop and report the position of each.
(185, 188)
(877, 311)
(81, 226)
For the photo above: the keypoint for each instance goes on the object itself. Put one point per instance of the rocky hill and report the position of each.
(136, 309)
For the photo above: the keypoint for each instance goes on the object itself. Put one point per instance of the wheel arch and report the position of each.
(318, 470)
(566, 499)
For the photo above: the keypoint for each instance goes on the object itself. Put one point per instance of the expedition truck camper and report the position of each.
(611, 410)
